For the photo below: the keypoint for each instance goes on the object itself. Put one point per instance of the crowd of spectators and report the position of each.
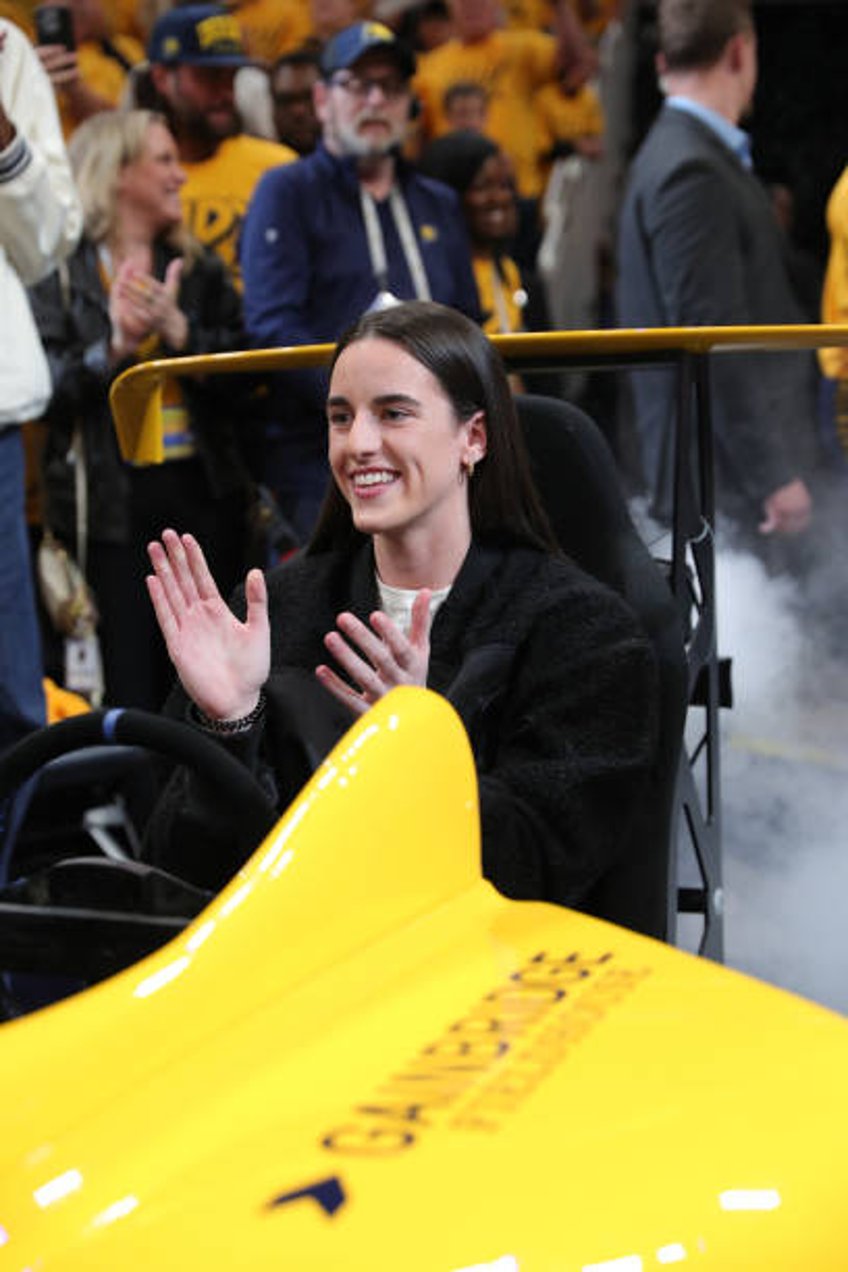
(263, 174)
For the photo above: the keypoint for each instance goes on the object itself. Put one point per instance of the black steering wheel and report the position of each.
(129, 727)
(92, 914)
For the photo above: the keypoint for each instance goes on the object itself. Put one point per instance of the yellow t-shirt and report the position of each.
(131, 17)
(512, 66)
(218, 190)
(102, 73)
(502, 295)
(21, 15)
(565, 118)
(834, 362)
(529, 15)
(272, 27)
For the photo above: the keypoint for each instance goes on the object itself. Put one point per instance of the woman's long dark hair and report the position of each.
(503, 502)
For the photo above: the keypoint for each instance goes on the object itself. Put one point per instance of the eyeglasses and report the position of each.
(361, 87)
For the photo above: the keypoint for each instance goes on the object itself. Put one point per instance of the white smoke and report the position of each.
(784, 759)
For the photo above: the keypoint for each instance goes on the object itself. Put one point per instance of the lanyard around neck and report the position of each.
(408, 242)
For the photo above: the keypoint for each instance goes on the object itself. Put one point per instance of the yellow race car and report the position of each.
(360, 1056)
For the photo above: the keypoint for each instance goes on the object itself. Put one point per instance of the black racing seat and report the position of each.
(581, 490)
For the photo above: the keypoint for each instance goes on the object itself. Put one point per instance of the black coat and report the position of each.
(76, 338)
(699, 245)
(550, 673)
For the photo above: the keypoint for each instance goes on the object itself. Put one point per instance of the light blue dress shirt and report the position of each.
(736, 139)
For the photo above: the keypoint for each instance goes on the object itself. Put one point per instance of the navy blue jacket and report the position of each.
(305, 262)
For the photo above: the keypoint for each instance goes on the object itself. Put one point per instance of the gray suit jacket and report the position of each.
(699, 245)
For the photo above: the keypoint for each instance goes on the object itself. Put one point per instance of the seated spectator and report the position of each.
(138, 287)
(432, 565)
(293, 79)
(346, 228)
(93, 76)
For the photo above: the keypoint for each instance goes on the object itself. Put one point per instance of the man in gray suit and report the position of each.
(699, 245)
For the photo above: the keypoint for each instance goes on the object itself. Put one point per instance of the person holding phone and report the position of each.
(40, 222)
(87, 64)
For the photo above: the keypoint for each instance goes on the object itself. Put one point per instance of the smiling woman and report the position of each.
(481, 174)
(137, 287)
(432, 564)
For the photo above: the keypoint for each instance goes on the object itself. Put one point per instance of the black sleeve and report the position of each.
(212, 307)
(575, 745)
(697, 259)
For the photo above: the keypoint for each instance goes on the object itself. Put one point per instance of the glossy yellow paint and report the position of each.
(135, 395)
(361, 1057)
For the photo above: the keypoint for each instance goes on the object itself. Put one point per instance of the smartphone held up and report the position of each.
(54, 24)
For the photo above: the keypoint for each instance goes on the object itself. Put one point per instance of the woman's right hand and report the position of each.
(222, 663)
(129, 310)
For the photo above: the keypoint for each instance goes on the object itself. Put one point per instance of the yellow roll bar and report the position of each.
(135, 396)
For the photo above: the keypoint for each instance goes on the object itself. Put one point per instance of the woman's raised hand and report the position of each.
(222, 663)
(379, 657)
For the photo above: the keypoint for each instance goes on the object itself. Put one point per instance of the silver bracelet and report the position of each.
(230, 726)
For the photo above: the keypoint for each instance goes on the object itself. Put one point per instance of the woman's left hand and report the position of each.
(377, 658)
(143, 305)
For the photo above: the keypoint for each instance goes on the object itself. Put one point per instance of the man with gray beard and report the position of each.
(347, 228)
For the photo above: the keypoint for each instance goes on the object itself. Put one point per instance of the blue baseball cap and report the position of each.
(197, 35)
(346, 48)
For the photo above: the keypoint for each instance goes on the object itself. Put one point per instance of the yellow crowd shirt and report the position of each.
(501, 293)
(103, 73)
(529, 15)
(131, 17)
(273, 27)
(512, 66)
(565, 118)
(21, 15)
(218, 190)
(834, 362)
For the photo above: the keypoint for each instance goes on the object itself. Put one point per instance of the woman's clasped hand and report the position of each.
(141, 306)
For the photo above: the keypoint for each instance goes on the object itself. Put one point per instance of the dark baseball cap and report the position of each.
(197, 35)
(346, 48)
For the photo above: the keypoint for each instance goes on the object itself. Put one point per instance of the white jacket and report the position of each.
(40, 221)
